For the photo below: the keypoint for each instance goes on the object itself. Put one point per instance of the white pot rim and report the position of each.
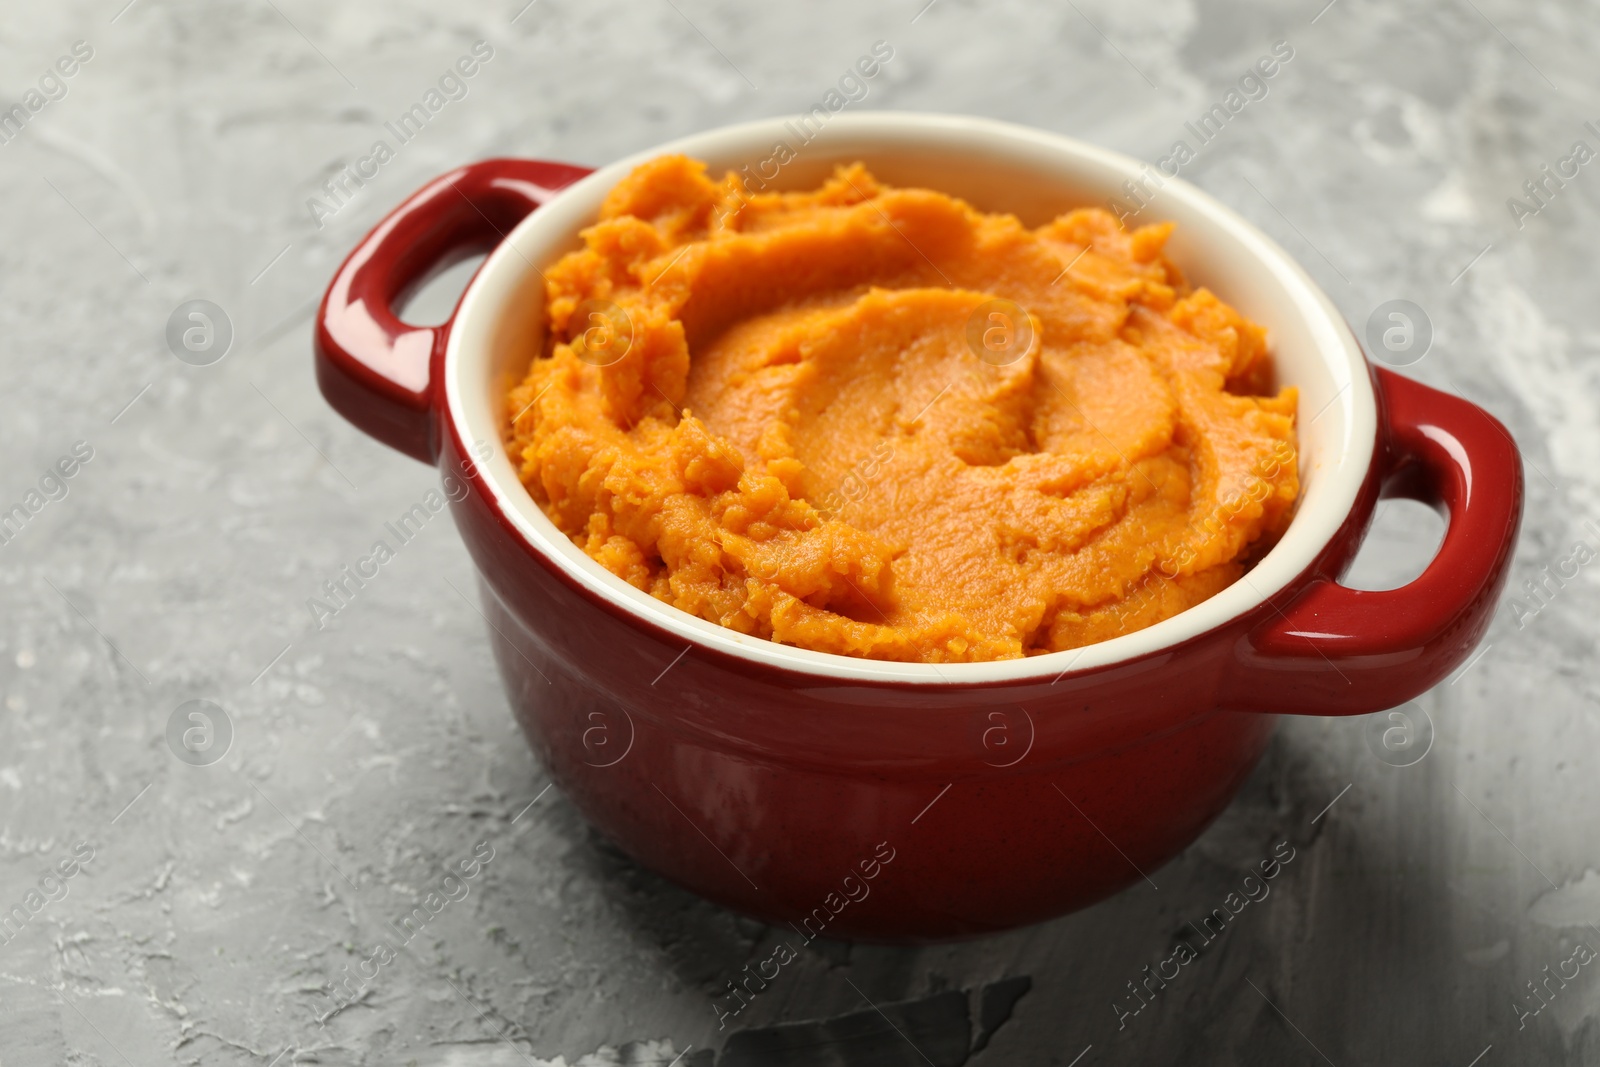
(1313, 346)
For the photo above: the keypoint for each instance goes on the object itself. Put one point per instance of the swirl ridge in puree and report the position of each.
(798, 416)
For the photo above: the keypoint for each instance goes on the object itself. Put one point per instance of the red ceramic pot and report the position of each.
(891, 801)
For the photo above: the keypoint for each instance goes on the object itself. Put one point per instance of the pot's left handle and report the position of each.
(378, 371)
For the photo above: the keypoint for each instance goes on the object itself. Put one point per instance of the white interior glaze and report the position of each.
(996, 167)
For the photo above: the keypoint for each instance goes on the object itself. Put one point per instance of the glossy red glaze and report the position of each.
(778, 792)
(1340, 651)
(377, 371)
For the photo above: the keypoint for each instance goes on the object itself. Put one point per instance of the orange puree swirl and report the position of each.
(877, 422)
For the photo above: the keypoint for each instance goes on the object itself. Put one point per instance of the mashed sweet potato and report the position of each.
(876, 422)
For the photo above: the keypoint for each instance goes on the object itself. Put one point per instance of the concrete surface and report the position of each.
(222, 902)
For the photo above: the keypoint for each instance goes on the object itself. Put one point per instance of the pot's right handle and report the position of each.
(1334, 650)
(378, 371)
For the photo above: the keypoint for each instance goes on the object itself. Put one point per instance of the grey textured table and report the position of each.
(223, 902)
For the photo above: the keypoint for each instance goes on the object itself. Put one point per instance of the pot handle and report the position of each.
(377, 371)
(1333, 650)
